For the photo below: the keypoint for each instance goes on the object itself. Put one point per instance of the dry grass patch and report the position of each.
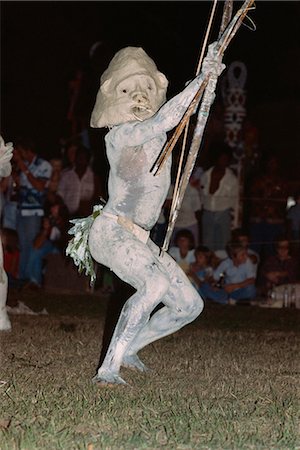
(227, 381)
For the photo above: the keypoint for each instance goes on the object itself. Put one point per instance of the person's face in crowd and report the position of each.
(201, 259)
(56, 165)
(244, 241)
(81, 160)
(54, 211)
(183, 243)
(71, 154)
(20, 153)
(240, 257)
(283, 249)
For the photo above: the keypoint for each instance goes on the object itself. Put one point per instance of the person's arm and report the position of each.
(220, 270)
(249, 275)
(234, 286)
(170, 114)
(37, 183)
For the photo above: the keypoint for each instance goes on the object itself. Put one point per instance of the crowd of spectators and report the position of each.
(241, 265)
(38, 200)
(226, 264)
(237, 274)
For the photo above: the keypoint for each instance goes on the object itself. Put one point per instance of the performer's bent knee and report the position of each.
(194, 308)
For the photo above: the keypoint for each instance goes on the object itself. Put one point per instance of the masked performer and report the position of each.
(5, 170)
(129, 102)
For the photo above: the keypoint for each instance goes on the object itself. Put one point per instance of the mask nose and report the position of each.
(139, 97)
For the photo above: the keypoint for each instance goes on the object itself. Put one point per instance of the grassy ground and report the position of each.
(227, 381)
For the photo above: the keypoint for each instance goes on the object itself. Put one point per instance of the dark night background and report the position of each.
(42, 43)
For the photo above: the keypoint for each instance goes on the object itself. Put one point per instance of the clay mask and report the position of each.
(131, 89)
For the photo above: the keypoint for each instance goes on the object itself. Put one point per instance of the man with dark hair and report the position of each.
(34, 174)
(219, 192)
(79, 187)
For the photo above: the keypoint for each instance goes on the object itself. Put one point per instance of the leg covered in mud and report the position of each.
(156, 279)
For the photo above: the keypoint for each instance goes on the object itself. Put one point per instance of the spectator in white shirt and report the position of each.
(187, 216)
(183, 252)
(219, 191)
(79, 187)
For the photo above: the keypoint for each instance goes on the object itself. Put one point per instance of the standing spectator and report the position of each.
(80, 187)
(280, 268)
(69, 155)
(268, 192)
(219, 197)
(35, 173)
(187, 216)
(183, 252)
(51, 198)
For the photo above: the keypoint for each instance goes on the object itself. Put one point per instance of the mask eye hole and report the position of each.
(124, 91)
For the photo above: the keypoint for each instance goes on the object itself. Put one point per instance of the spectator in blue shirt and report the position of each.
(33, 178)
(238, 275)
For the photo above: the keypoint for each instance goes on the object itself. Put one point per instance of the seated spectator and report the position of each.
(281, 268)
(57, 166)
(201, 270)
(234, 278)
(52, 238)
(182, 251)
(240, 236)
(80, 187)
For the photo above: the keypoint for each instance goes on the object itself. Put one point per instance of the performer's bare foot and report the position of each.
(134, 362)
(106, 378)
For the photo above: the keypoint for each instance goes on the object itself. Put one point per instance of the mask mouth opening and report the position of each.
(142, 112)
